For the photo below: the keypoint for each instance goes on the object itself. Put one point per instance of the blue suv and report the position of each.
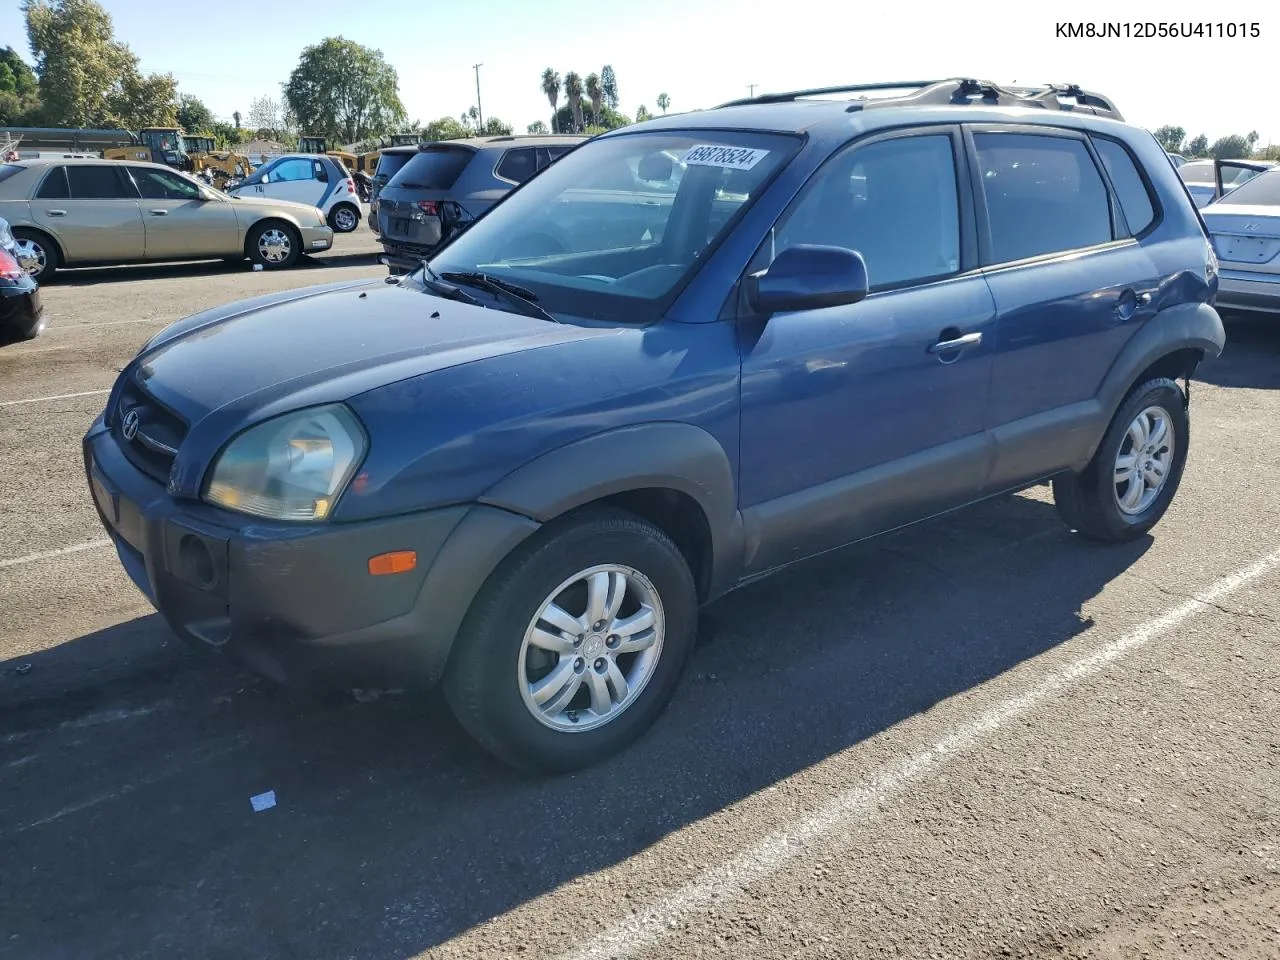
(771, 329)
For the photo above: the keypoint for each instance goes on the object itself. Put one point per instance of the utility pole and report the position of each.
(479, 109)
(752, 88)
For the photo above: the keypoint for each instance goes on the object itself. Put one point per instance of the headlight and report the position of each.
(292, 467)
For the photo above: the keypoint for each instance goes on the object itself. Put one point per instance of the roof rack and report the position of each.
(959, 90)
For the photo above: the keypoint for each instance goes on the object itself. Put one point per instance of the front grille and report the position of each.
(159, 432)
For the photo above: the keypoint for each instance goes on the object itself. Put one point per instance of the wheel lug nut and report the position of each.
(599, 625)
(612, 641)
(577, 641)
(579, 663)
(600, 663)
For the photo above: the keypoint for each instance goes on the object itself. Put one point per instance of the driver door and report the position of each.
(861, 417)
(178, 222)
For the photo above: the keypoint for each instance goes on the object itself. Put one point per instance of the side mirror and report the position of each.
(808, 277)
(266, 178)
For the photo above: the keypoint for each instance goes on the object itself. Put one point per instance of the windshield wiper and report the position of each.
(431, 280)
(522, 298)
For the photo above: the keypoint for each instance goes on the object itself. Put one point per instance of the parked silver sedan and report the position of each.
(1245, 228)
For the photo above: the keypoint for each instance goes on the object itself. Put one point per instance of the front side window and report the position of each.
(290, 171)
(102, 182)
(1044, 194)
(620, 222)
(895, 202)
(163, 185)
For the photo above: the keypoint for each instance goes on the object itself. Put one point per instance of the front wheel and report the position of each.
(273, 245)
(344, 218)
(1136, 470)
(576, 644)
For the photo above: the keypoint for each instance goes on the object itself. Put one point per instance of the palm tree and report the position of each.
(642, 113)
(573, 92)
(596, 92)
(663, 102)
(551, 87)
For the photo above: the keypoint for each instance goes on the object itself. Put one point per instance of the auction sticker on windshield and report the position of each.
(735, 158)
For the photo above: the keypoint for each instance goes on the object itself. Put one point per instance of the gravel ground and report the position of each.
(978, 737)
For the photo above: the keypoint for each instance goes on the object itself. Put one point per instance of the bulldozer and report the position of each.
(224, 165)
(320, 145)
(165, 145)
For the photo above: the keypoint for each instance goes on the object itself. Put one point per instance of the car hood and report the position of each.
(225, 368)
(304, 212)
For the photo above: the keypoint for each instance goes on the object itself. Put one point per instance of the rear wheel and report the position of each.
(37, 254)
(274, 245)
(344, 218)
(1136, 470)
(576, 644)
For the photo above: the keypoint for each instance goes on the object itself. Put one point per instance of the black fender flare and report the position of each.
(1184, 326)
(666, 455)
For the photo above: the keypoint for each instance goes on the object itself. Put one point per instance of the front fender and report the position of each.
(671, 456)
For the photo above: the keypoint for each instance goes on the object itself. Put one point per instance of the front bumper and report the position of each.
(316, 239)
(1249, 293)
(21, 309)
(296, 603)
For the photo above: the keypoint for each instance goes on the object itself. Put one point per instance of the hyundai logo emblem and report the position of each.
(129, 427)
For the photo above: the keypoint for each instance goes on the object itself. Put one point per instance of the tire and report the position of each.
(40, 248)
(264, 245)
(488, 682)
(344, 218)
(1092, 501)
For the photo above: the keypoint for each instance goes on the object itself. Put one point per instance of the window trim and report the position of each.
(1153, 196)
(122, 177)
(985, 258)
(969, 263)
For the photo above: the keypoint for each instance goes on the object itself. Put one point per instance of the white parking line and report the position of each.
(732, 878)
(60, 396)
(54, 554)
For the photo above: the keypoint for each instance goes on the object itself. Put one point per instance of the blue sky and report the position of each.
(702, 52)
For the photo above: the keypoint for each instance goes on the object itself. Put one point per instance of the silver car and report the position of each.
(1245, 228)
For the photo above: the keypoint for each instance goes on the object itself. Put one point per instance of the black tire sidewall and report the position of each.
(333, 218)
(1166, 395)
(492, 642)
(256, 234)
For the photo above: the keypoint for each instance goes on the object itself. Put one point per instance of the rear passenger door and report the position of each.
(93, 210)
(1071, 280)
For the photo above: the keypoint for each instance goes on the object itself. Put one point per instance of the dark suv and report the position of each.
(780, 326)
(449, 184)
(390, 160)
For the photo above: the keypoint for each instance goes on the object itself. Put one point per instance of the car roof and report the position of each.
(841, 109)
(523, 140)
(42, 162)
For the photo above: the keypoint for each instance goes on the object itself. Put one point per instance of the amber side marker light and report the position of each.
(398, 561)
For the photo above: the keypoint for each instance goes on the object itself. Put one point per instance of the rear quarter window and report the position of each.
(432, 169)
(1131, 189)
(8, 170)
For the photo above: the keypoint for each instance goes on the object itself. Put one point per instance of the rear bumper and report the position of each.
(316, 239)
(297, 604)
(21, 309)
(1248, 292)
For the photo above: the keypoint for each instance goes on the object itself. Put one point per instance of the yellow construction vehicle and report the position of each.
(164, 145)
(320, 145)
(223, 164)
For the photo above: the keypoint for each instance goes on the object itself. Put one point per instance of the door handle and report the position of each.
(958, 343)
(159, 213)
(56, 213)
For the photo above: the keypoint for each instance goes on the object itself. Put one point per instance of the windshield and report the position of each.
(1262, 189)
(613, 228)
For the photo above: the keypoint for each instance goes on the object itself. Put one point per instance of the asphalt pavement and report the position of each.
(979, 737)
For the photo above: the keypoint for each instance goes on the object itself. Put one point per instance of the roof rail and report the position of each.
(961, 91)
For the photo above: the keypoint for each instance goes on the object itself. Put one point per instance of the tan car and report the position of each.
(77, 213)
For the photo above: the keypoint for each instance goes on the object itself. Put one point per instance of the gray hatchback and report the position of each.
(449, 184)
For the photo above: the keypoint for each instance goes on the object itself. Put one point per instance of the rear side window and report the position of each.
(97, 183)
(1044, 194)
(54, 186)
(1135, 199)
(518, 165)
(432, 169)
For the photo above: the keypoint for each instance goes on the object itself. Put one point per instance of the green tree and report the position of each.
(609, 119)
(1233, 147)
(446, 128)
(595, 92)
(87, 77)
(609, 82)
(344, 91)
(551, 88)
(1171, 138)
(19, 90)
(1198, 146)
(642, 113)
(664, 101)
(267, 117)
(538, 128)
(573, 93)
(1270, 152)
(493, 127)
(194, 116)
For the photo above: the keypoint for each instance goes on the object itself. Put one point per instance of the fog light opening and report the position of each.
(197, 561)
